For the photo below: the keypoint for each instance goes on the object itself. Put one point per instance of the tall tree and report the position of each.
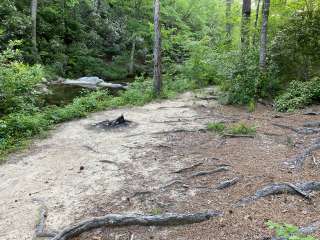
(264, 35)
(245, 24)
(157, 49)
(34, 8)
(256, 22)
(228, 21)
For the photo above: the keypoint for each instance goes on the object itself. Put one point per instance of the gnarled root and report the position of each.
(116, 220)
(302, 189)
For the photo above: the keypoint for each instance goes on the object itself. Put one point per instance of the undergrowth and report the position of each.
(239, 128)
(298, 95)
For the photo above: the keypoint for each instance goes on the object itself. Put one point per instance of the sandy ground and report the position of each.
(126, 169)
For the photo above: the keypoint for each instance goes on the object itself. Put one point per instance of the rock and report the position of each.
(92, 83)
(86, 82)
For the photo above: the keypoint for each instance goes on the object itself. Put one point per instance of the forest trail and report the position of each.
(80, 171)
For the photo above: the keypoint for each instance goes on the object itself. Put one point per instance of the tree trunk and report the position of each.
(256, 23)
(228, 21)
(245, 24)
(34, 7)
(157, 49)
(264, 37)
(133, 50)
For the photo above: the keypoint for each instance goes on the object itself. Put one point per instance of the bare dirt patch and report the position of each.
(167, 162)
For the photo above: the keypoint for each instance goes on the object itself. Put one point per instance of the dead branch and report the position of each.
(298, 161)
(188, 168)
(117, 220)
(228, 183)
(302, 189)
(204, 173)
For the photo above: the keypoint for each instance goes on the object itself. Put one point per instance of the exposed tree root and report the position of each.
(116, 220)
(306, 230)
(174, 182)
(107, 161)
(311, 113)
(40, 231)
(311, 228)
(302, 189)
(298, 161)
(237, 135)
(188, 168)
(300, 130)
(312, 124)
(228, 183)
(181, 131)
(204, 173)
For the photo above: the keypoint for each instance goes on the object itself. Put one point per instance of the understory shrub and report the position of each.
(298, 95)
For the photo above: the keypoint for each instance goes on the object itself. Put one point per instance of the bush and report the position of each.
(18, 87)
(298, 95)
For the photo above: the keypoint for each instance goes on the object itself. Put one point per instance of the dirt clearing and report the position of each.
(163, 161)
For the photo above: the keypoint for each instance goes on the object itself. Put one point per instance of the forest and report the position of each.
(230, 70)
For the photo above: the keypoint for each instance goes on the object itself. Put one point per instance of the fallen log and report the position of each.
(298, 161)
(302, 189)
(117, 220)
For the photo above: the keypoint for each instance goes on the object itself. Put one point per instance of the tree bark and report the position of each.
(256, 22)
(157, 49)
(245, 24)
(34, 7)
(264, 37)
(228, 21)
(133, 50)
